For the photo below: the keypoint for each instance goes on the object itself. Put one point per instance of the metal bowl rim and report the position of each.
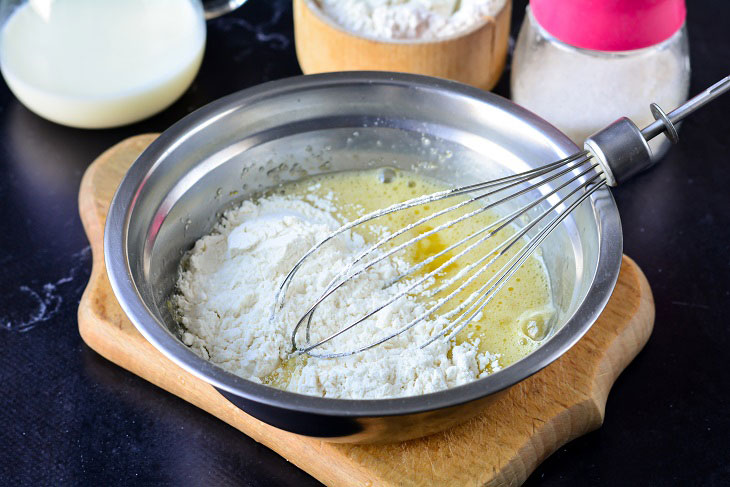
(120, 276)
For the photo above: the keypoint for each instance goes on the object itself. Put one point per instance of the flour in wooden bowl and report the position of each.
(410, 19)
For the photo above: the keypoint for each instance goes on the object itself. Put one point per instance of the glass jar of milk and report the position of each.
(582, 64)
(102, 63)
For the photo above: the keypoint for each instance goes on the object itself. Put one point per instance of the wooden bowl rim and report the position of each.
(313, 6)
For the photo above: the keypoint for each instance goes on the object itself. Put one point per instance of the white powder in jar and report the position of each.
(410, 19)
(226, 289)
(582, 91)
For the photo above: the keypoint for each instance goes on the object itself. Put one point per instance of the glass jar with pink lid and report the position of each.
(581, 64)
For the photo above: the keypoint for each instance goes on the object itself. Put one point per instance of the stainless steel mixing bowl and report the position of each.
(284, 130)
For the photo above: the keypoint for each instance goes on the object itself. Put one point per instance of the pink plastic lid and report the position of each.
(610, 25)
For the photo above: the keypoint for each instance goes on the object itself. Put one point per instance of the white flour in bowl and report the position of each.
(410, 19)
(227, 286)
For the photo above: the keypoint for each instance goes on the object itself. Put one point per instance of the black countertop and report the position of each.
(69, 417)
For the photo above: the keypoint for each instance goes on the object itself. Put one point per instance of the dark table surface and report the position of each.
(69, 417)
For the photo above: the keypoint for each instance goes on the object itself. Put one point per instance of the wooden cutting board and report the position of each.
(501, 446)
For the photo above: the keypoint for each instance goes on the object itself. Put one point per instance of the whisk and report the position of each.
(610, 157)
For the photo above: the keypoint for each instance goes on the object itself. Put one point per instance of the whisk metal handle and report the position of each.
(666, 121)
(622, 149)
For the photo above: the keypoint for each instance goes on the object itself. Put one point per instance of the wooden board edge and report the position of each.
(93, 224)
(633, 337)
(636, 332)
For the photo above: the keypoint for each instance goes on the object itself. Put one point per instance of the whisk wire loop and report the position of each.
(281, 292)
(343, 275)
(506, 272)
(550, 172)
(503, 274)
(340, 279)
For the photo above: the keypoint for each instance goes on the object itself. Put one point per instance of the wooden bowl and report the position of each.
(475, 57)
